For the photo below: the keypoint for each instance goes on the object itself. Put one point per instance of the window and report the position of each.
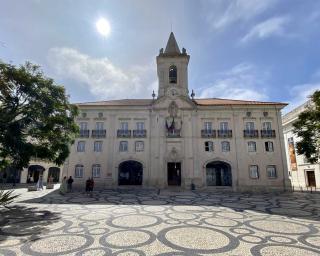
(139, 146)
(140, 126)
(96, 171)
(225, 146)
(252, 146)
(123, 146)
(100, 114)
(266, 126)
(269, 146)
(253, 172)
(78, 172)
(249, 126)
(124, 126)
(97, 146)
(81, 146)
(84, 115)
(271, 171)
(99, 126)
(173, 75)
(224, 126)
(208, 126)
(208, 146)
(83, 126)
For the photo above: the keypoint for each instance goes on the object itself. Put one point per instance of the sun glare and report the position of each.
(103, 27)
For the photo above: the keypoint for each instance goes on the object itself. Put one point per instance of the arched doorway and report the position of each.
(54, 172)
(130, 173)
(218, 173)
(34, 171)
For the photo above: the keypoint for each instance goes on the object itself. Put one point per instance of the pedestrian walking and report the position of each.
(63, 186)
(70, 181)
(40, 183)
(88, 181)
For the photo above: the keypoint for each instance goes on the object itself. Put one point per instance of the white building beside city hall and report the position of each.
(303, 175)
(175, 139)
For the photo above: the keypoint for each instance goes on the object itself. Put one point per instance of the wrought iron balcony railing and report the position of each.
(208, 133)
(251, 133)
(224, 133)
(174, 133)
(84, 133)
(98, 133)
(139, 133)
(268, 133)
(124, 133)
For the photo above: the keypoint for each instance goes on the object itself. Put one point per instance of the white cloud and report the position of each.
(101, 76)
(237, 10)
(272, 27)
(244, 81)
(300, 94)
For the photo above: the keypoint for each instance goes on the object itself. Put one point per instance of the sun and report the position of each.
(103, 27)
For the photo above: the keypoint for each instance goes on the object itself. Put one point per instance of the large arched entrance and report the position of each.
(54, 173)
(218, 173)
(130, 173)
(34, 172)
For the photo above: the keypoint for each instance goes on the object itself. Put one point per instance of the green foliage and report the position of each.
(307, 128)
(36, 118)
(7, 197)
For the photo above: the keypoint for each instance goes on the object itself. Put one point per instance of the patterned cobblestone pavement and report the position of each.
(143, 222)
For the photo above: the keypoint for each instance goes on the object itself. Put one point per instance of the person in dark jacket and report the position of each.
(70, 181)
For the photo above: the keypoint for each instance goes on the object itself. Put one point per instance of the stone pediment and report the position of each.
(181, 103)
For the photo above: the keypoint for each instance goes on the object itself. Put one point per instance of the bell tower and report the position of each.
(172, 69)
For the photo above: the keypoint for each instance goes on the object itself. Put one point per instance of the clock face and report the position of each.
(173, 93)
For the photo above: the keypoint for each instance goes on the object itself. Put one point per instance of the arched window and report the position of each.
(173, 75)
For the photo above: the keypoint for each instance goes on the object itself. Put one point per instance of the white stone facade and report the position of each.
(180, 140)
(303, 175)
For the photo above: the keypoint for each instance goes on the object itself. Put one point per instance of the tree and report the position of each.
(307, 128)
(36, 118)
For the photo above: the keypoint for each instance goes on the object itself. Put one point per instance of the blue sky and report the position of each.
(242, 49)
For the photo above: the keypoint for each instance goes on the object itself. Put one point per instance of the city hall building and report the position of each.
(175, 139)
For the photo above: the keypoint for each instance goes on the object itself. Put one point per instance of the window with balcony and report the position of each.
(81, 146)
(225, 146)
(249, 126)
(252, 146)
(124, 126)
(139, 146)
(208, 146)
(99, 126)
(253, 172)
(140, 131)
(78, 172)
(123, 147)
(271, 171)
(207, 126)
(84, 132)
(140, 126)
(269, 146)
(266, 126)
(97, 146)
(173, 75)
(96, 171)
(224, 126)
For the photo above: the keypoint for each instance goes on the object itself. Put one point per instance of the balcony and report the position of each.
(224, 133)
(139, 133)
(268, 133)
(251, 133)
(98, 133)
(208, 133)
(123, 133)
(84, 133)
(174, 133)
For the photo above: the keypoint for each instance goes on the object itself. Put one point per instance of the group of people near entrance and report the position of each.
(66, 185)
